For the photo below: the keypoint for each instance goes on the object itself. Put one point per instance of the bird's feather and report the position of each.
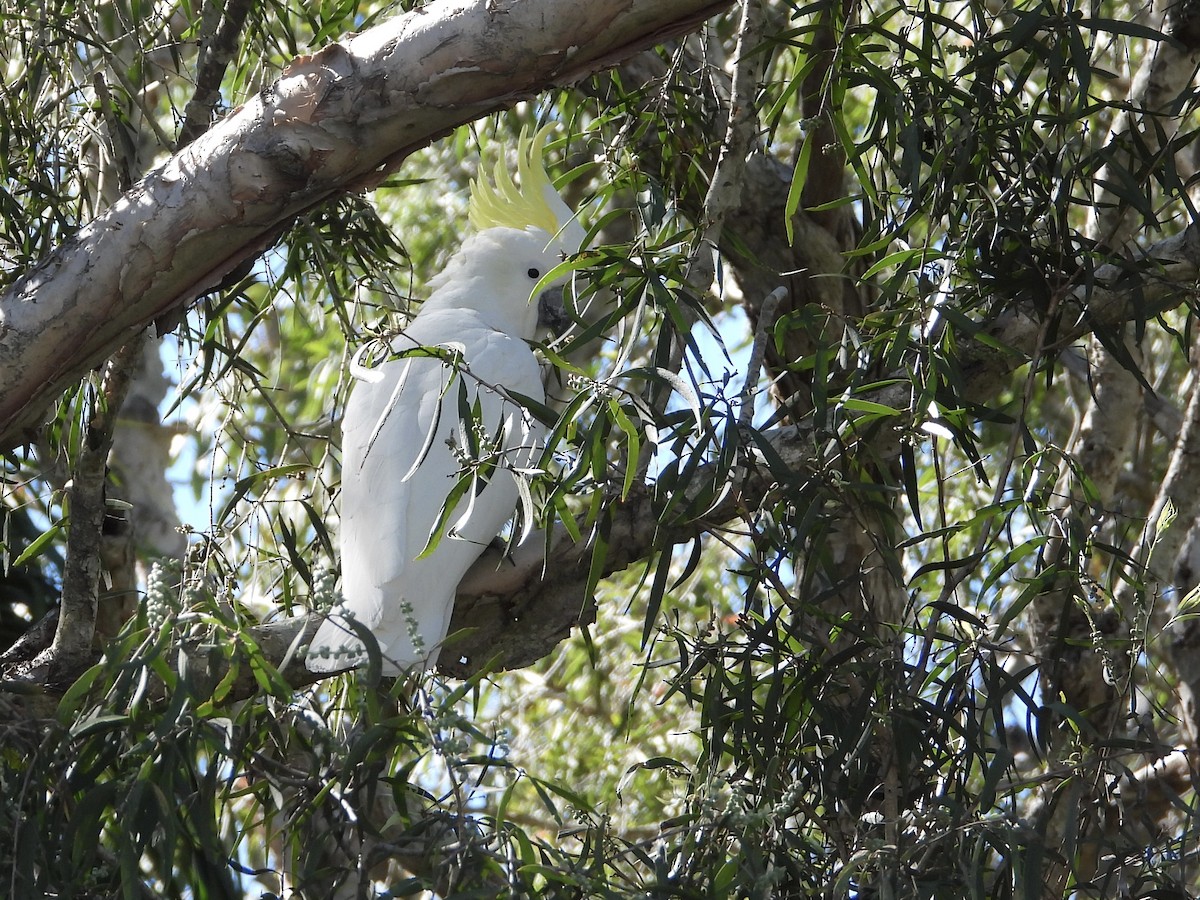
(388, 517)
(417, 425)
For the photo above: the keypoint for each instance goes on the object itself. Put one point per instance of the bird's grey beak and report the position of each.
(552, 312)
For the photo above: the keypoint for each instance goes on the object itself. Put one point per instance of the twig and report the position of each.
(758, 352)
(725, 188)
(218, 46)
(123, 152)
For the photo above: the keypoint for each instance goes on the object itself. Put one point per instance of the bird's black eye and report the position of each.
(534, 273)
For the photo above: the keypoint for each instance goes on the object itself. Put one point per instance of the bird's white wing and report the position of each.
(404, 424)
(388, 424)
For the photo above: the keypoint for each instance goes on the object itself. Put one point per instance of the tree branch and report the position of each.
(338, 121)
(81, 575)
(725, 187)
(220, 25)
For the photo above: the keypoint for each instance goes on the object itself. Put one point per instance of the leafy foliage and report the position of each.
(845, 663)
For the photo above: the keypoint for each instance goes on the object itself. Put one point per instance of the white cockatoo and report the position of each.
(416, 424)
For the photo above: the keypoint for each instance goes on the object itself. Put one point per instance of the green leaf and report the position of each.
(633, 442)
(436, 534)
(68, 706)
(796, 189)
(98, 724)
(857, 404)
(39, 543)
(909, 474)
(658, 589)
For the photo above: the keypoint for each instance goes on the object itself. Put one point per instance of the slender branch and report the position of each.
(1160, 550)
(123, 152)
(741, 133)
(1153, 114)
(81, 573)
(827, 163)
(220, 32)
(725, 188)
(758, 352)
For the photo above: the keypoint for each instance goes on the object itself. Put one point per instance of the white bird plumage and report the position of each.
(404, 440)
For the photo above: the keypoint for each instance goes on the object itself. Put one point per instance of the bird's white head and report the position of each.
(523, 230)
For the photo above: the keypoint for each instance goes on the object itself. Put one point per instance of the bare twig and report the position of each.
(123, 152)
(758, 351)
(220, 30)
(741, 132)
(724, 190)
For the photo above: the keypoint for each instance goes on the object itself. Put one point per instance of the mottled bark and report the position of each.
(339, 120)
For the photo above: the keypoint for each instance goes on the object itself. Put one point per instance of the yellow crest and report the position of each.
(501, 204)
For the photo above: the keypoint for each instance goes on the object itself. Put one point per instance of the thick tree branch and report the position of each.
(337, 121)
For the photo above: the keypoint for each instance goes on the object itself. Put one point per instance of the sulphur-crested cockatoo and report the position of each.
(417, 423)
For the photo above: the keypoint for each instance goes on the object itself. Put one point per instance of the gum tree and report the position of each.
(865, 551)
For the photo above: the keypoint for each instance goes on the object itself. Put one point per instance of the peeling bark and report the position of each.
(339, 120)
